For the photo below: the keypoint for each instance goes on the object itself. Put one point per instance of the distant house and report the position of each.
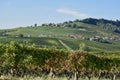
(72, 36)
(96, 38)
(42, 35)
(75, 36)
(16, 36)
(105, 38)
(50, 35)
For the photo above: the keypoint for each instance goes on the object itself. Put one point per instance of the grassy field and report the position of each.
(37, 31)
(69, 43)
(47, 36)
(85, 30)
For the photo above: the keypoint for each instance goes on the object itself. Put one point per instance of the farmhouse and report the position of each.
(75, 36)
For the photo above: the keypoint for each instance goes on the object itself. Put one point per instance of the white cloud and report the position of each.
(72, 13)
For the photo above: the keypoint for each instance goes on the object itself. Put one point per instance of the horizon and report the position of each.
(27, 12)
(55, 23)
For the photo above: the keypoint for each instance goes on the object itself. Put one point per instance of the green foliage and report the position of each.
(18, 55)
(20, 60)
(21, 35)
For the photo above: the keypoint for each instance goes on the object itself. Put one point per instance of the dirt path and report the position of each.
(65, 45)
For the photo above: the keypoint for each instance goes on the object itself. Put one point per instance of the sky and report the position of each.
(22, 13)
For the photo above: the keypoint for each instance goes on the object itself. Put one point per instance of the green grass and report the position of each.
(40, 42)
(52, 35)
(37, 31)
(67, 43)
(86, 30)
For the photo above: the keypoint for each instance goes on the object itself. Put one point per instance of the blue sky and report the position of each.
(20, 13)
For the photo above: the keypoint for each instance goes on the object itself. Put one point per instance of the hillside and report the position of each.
(86, 27)
(93, 34)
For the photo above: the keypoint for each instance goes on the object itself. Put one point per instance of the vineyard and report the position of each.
(19, 60)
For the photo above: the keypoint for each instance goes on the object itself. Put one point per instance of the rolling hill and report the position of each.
(93, 34)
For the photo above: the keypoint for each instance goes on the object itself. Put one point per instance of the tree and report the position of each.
(21, 35)
(74, 26)
(35, 25)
